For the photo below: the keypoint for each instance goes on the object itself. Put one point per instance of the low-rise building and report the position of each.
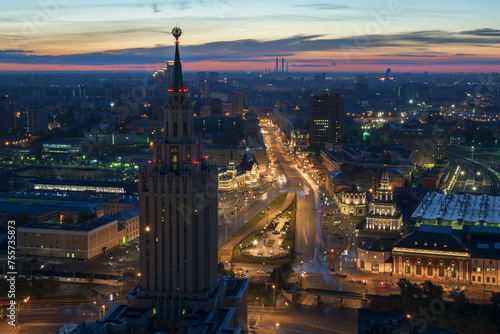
(376, 255)
(128, 225)
(484, 245)
(82, 241)
(246, 174)
(458, 210)
(432, 253)
(84, 186)
(353, 203)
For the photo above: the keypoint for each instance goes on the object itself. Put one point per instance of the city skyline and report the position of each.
(241, 36)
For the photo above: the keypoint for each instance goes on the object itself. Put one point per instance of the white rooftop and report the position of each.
(465, 207)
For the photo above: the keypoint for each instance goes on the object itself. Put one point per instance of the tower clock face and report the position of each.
(177, 32)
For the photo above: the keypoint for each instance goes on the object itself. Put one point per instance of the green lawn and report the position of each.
(290, 211)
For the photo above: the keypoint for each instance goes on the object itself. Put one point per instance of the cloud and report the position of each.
(464, 54)
(253, 50)
(309, 65)
(246, 60)
(419, 56)
(14, 52)
(482, 32)
(333, 63)
(324, 6)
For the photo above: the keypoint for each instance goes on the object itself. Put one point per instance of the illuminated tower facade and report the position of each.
(178, 217)
(383, 214)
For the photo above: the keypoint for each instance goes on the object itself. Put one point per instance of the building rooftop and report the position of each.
(14, 208)
(432, 240)
(236, 287)
(459, 207)
(378, 245)
(83, 227)
(125, 215)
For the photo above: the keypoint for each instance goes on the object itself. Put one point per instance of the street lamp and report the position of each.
(276, 326)
(274, 297)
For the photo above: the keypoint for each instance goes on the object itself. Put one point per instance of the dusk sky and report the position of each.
(365, 35)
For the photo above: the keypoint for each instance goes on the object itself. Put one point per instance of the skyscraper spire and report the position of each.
(177, 84)
(385, 175)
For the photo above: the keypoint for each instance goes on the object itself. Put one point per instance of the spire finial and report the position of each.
(176, 32)
(177, 84)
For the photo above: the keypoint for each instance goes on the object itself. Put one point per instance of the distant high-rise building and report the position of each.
(205, 89)
(202, 75)
(276, 69)
(213, 76)
(237, 103)
(326, 119)
(388, 74)
(163, 78)
(34, 121)
(282, 65)
(361, 93)
(7, 114)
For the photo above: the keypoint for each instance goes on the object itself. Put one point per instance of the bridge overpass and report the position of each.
(297, 294)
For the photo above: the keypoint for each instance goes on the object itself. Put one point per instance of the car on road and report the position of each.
(130, 269)
(260, 271)
(276, 232)
(352, 280)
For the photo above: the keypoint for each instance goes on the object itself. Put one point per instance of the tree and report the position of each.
(461, 303)
(52, 285)
(37, 149)
(37, 287)
(85, 216)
